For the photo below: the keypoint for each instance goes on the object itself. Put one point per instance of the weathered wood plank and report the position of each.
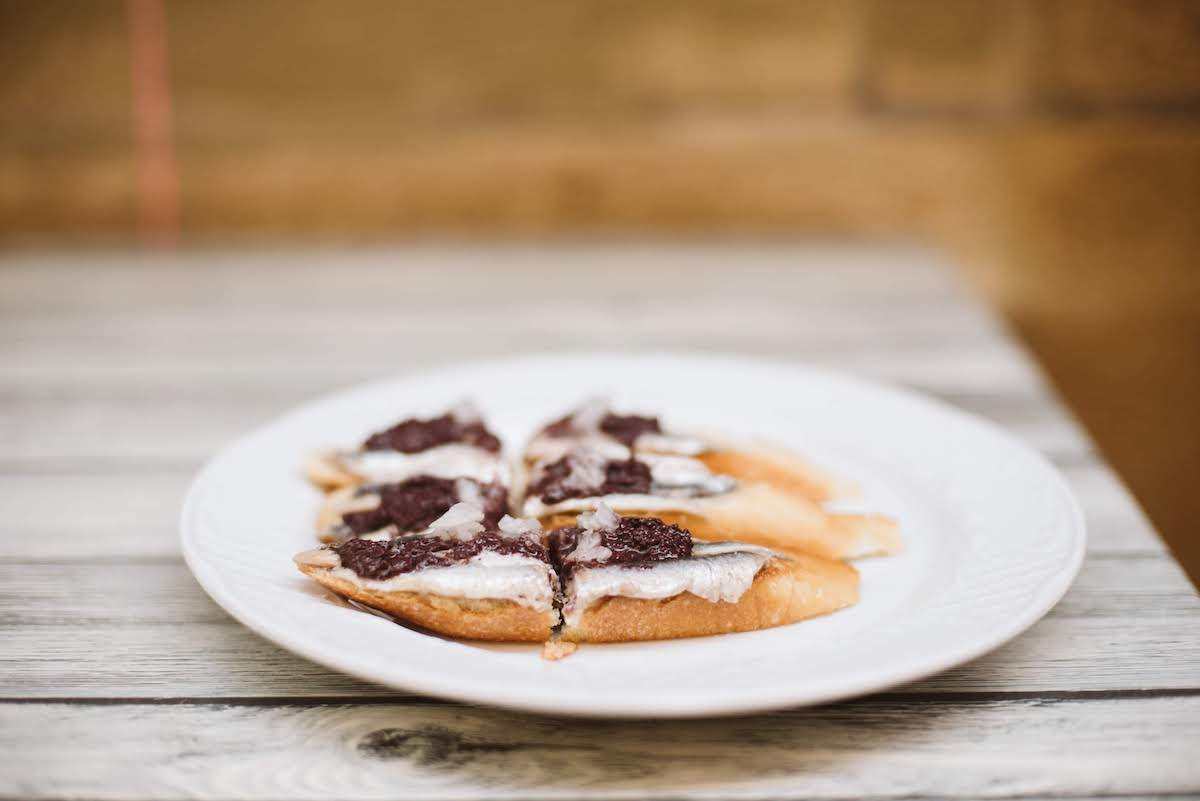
(981, 376)
(1115, 523)
(150, 630)
(885, 312)
(105, 514)
(121, 280)
(522, 317)
(877, 749)
(947, 366)
(222, 659)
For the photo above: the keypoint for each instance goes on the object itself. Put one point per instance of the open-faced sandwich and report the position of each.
(595, 427)
(638, 578)
(416, 524)
(614, 579)
(684, 490)
(453, 445)
(458, 577)
(407, 506)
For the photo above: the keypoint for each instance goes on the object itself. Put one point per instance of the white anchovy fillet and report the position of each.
(523, 579)
(445, 461)
(720, 571)
(674, 480)
(681, 472)
(367, 498)
(382, 535)
(512, 577)
(585, 432)
(680, 444)
(545, 448)
(602, 518)
(462, 521)
(520, 527)
(586, 470)
(468, 491)
(588, 548)
(534, 507)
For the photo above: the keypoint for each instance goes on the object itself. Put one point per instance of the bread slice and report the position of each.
(331, 470)
(764, 515)
(468, 618)
(784, 591)
(337, 503)
(761, 514)
(328, 473)
(500, 619)
(779, 468)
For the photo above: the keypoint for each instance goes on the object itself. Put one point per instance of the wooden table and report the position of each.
(121, 374)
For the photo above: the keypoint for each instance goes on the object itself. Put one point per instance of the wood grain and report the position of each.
(224, 660)
(119, 375)
(876, 749)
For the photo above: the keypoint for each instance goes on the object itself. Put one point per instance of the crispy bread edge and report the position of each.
(483, 619)
(783, 592)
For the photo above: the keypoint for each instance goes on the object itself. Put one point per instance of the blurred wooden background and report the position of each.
(1053, 148)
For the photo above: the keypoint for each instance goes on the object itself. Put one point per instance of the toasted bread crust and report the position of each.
(335, 504)
(779, 468)
(783, 592)
(326, 471)
(483, 619)
(764, 515)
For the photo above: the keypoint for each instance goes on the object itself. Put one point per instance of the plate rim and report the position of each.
(210, 579)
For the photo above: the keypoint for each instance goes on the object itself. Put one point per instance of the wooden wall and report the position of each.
(1053, 146)
(382, 118)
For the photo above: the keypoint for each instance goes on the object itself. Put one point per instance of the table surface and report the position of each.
(120, 679)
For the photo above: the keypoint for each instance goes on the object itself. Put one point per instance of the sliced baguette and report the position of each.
(780, 468)
(468, 618)
(337, 503)
(761, 514)
(764, 515)
(784, 591)
(325, 470)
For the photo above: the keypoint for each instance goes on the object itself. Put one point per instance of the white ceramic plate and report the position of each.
(993, 537)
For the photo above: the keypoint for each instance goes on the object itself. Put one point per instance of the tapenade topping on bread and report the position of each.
(456, 537)
(417, 525)
(410, 505)
(603, 538)
(414, 435)
(585, 474)
(624, 428)
(596, 427)
(381, 560)
(453, 445)
(582, 474)
(455, 577)
(640, 578)
(643, 557)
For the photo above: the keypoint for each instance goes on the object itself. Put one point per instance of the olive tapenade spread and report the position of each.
(376, 560)
(627, 477)
(415, 435)
(413, 504)
(635, 540)
(627, 428)
(624, 428)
